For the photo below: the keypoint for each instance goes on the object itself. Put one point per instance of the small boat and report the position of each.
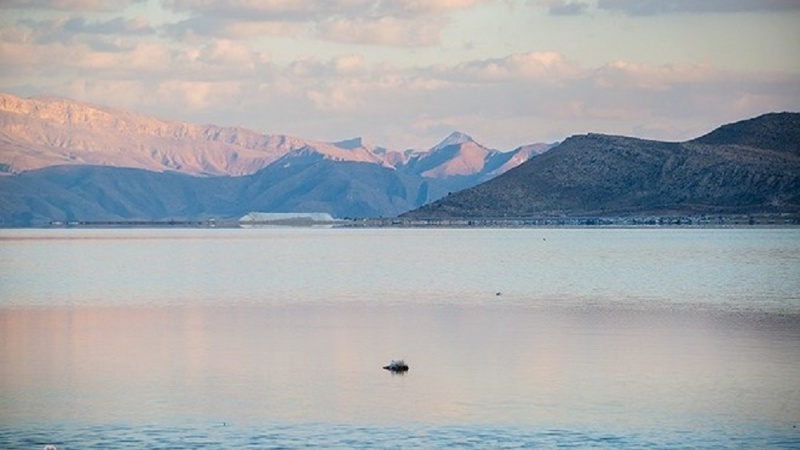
(397, 366)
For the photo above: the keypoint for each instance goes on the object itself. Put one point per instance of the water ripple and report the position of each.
(293, 436)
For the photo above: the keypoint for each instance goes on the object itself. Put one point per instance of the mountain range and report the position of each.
(66, 160)
(747, 167)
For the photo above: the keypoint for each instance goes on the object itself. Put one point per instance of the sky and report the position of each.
(405, 73)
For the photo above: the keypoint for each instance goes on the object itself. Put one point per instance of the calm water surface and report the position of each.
(275, 338)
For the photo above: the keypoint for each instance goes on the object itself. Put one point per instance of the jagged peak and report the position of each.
(455, 138)
(96, 133)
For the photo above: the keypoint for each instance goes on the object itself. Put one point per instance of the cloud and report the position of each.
(533, 66)
(417, 8)
(100, 35)
(215, 74)
(268, 10)
(68, 5)
(352, 65)
(143, 57)
(198, 95)
(26, 53)
(401, 23)
(348, 64)
(338, 98)
(662, 7)
(223, 53)
(313, 10)
(565, 7)
(656, 7)
(117, 25)
(635, 76)
(203, 26)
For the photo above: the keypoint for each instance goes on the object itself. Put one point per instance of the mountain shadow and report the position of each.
(101, 193)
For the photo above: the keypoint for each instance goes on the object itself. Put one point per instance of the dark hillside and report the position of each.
(775, 131)
(748, 167)
(99, 193)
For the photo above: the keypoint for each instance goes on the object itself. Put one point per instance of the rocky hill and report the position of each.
(42, 132)
(45, 131)
(752, 166)
(774, 131)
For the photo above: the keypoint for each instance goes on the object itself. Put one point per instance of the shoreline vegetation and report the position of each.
(698, 221)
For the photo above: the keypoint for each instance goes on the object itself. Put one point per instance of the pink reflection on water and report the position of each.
(323, 363)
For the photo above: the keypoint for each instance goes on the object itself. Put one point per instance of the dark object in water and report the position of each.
(397, 366)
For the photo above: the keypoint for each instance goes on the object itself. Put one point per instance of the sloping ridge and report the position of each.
(47, 131)
(747, 167)
(773, 131)
(458, 159)
(40, 132)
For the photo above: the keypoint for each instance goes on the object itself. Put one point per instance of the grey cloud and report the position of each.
(68, 5)
(295, 11)
(232, 20)
(46, 31)
(65, 31)
(407, 23)
(313, 10)
(104, 45)
(203, 25)
(657, 7)
(197, 25)
(117, 25)
(411, 9)
(568, 8)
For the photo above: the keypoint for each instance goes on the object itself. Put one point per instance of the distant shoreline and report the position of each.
(704, 221)
(745, 220)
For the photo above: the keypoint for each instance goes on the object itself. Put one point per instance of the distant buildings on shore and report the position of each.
(255, 218)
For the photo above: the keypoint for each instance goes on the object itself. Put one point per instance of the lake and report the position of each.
(515, 338)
